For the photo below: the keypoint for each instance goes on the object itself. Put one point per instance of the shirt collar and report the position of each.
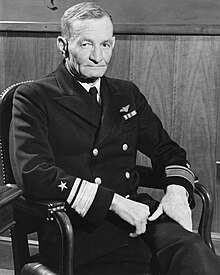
(87, 86)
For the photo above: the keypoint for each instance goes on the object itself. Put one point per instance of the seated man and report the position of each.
(69, 143)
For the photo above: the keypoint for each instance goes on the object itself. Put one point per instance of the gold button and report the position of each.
(127, 175)
(95, 152)
(98, 180)
(125, 147)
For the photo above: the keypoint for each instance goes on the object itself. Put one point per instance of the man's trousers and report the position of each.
(175, 251)
(165, 248)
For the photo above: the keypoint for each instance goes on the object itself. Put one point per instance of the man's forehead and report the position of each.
(89, 26)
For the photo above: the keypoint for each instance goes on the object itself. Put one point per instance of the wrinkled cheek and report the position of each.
(74, 65)
(107, 57)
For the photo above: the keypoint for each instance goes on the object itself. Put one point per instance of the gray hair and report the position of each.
(81, 11)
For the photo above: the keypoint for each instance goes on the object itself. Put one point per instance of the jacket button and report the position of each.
(125, 147)
(95, 152)
(98, 180)
(127, 175)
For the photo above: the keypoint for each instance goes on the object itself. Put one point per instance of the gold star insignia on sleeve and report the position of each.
(62, 185)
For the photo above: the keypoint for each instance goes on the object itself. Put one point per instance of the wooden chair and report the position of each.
(8, 195)
(30, 215)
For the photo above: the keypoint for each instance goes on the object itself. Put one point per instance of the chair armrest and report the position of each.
(207, 213)
(39, 209)
(36, 269)
(45, 211)
(8, 194)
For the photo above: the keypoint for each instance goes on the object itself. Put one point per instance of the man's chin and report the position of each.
(87, 79)
(90, 76)
(94, 73)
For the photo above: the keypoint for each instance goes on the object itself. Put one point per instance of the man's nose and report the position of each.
(96, 55)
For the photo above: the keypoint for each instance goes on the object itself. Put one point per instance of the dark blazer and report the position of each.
(55, 128)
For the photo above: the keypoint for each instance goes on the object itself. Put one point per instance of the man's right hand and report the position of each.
(133, 212)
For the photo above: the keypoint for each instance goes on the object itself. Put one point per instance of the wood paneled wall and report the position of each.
(162, 12)
(178, 74)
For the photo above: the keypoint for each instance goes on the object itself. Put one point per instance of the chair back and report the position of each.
(29, 216)
(6, 103)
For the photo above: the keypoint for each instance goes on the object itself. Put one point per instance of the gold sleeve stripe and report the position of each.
(180, 167)
(84, 197)
(73, 190)
(87, 201)
(180, 171)
(79, 196)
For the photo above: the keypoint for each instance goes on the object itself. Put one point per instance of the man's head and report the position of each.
(87, 40)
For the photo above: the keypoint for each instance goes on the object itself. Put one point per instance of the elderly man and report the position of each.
(74, 137)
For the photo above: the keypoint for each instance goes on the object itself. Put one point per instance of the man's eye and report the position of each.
(85, 45)
(106, 45)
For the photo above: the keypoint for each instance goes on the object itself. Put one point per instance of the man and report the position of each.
(71, 146)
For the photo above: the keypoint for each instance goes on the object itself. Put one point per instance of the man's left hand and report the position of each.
(175, 205)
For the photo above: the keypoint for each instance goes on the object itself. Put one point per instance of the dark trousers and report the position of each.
(175, 251)
(165, 248)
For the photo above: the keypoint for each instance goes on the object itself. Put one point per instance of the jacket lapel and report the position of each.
(112, 100)
(75, 98)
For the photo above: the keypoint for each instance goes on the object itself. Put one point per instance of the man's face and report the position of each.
(91, 50)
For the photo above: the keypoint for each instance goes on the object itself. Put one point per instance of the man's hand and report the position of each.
(133, 212)
(175, 204)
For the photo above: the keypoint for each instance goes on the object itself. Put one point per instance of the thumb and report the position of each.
(156, 214)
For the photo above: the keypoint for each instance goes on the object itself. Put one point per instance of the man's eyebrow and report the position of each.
(85, 38)
(108, 40)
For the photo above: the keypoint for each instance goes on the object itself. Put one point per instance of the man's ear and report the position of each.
(62, 45)
(113, 42)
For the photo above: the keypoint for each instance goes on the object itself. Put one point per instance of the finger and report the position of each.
(156, 214)
(133, 235)
(189, 220)
(136, 233)
(141, 229)
(189, 227)
(188, 224)
(187, 217)
(144, 227)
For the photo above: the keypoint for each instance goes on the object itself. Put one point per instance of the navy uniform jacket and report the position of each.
(65, 147)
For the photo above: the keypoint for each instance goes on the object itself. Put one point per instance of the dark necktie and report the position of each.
(93, 92)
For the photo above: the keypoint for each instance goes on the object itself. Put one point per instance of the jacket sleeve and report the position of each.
(34, 165)
(167, 157)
